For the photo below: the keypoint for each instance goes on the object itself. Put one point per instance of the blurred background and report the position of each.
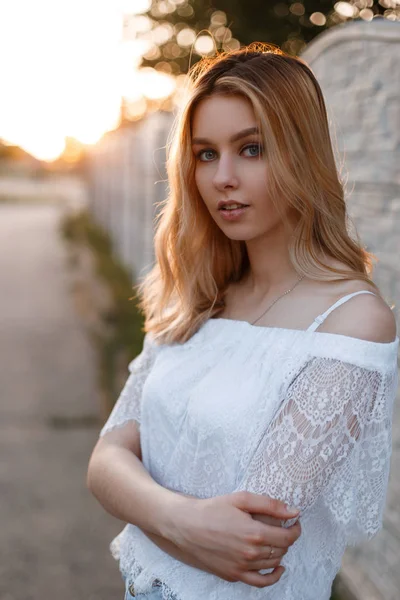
(89, 91)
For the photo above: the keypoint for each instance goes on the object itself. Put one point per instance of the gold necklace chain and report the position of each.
(269, 307)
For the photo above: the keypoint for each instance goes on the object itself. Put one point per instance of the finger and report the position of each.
(280, 537)
(252, 555)
(268, 520)
(265, 553)
(257, 503)
(258, 565)
(257, 580)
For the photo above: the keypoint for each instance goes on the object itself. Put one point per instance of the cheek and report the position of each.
(197, 179)
(256, 178)
(200, 177)
(202, 184)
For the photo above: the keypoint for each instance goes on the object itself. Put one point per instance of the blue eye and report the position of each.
(203, 152)
(258, 147)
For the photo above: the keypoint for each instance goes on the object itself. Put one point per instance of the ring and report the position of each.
(271, 553)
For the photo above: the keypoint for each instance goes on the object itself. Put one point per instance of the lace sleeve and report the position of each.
(128, 404)
(331, 435)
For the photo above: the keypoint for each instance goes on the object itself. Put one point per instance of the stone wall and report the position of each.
(358, 67)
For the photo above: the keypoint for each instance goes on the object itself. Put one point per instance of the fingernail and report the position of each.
(291, 509)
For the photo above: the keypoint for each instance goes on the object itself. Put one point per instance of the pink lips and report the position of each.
(223, 203)
(234, 214)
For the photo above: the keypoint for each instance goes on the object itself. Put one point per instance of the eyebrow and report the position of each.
(234, 138)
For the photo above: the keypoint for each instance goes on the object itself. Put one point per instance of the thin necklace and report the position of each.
(269, 307)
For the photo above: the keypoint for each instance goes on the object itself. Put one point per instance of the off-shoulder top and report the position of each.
(299, 415)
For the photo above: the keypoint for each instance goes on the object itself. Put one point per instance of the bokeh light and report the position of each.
(218, 18)
(186, 37)
(297, 8)
(366, 14)
(345, 9)
(318, 19)
(204, 45)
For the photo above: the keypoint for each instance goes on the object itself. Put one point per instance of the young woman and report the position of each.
(269, 365)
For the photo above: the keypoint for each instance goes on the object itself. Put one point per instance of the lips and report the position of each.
(226, 203)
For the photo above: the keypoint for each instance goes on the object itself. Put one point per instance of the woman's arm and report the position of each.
(331, 434)
(118, 479)
(174, 551)
(122, 485)
(178, 553)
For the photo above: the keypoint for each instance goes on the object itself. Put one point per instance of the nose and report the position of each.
(225, 174)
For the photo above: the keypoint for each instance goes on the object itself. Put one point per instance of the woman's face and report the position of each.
(231, 169)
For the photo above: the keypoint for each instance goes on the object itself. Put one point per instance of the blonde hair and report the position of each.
(195, 260)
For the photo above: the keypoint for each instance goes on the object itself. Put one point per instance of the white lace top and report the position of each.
(299, 415)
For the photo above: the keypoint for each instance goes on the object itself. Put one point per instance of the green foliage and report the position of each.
(283, 23)
(335, 594)
(123, 321)
(273, 22)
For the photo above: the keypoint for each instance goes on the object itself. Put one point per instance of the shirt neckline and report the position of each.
(388, 345)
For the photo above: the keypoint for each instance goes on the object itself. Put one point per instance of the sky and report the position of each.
(64, 69)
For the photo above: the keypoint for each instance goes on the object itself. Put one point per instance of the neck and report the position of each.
(271, 270)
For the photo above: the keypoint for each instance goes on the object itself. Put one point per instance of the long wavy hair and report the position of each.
(195, 261)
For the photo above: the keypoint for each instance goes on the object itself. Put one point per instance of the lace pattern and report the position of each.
(304, 417)
(333, 433)
(128, 405)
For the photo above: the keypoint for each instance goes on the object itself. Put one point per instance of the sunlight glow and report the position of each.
(155, 84)
(134, 6)
(60, 77)
(68, 69)
(48, 149)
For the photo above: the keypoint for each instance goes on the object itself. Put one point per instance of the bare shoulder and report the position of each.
(364, 316)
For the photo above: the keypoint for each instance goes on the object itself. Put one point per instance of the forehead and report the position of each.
(220, 116)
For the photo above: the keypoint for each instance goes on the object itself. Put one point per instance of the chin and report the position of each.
(239, 236)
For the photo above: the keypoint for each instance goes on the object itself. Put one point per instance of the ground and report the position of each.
(54, 534)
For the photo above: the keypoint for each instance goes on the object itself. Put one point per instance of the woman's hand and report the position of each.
(232, 535)
(173, 550)
(184, 557)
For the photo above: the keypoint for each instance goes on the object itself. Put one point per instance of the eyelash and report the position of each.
(258, 146)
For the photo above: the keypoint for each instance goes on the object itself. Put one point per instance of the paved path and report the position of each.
(54, 536)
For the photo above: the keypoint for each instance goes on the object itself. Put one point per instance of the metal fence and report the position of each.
(126, 178)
